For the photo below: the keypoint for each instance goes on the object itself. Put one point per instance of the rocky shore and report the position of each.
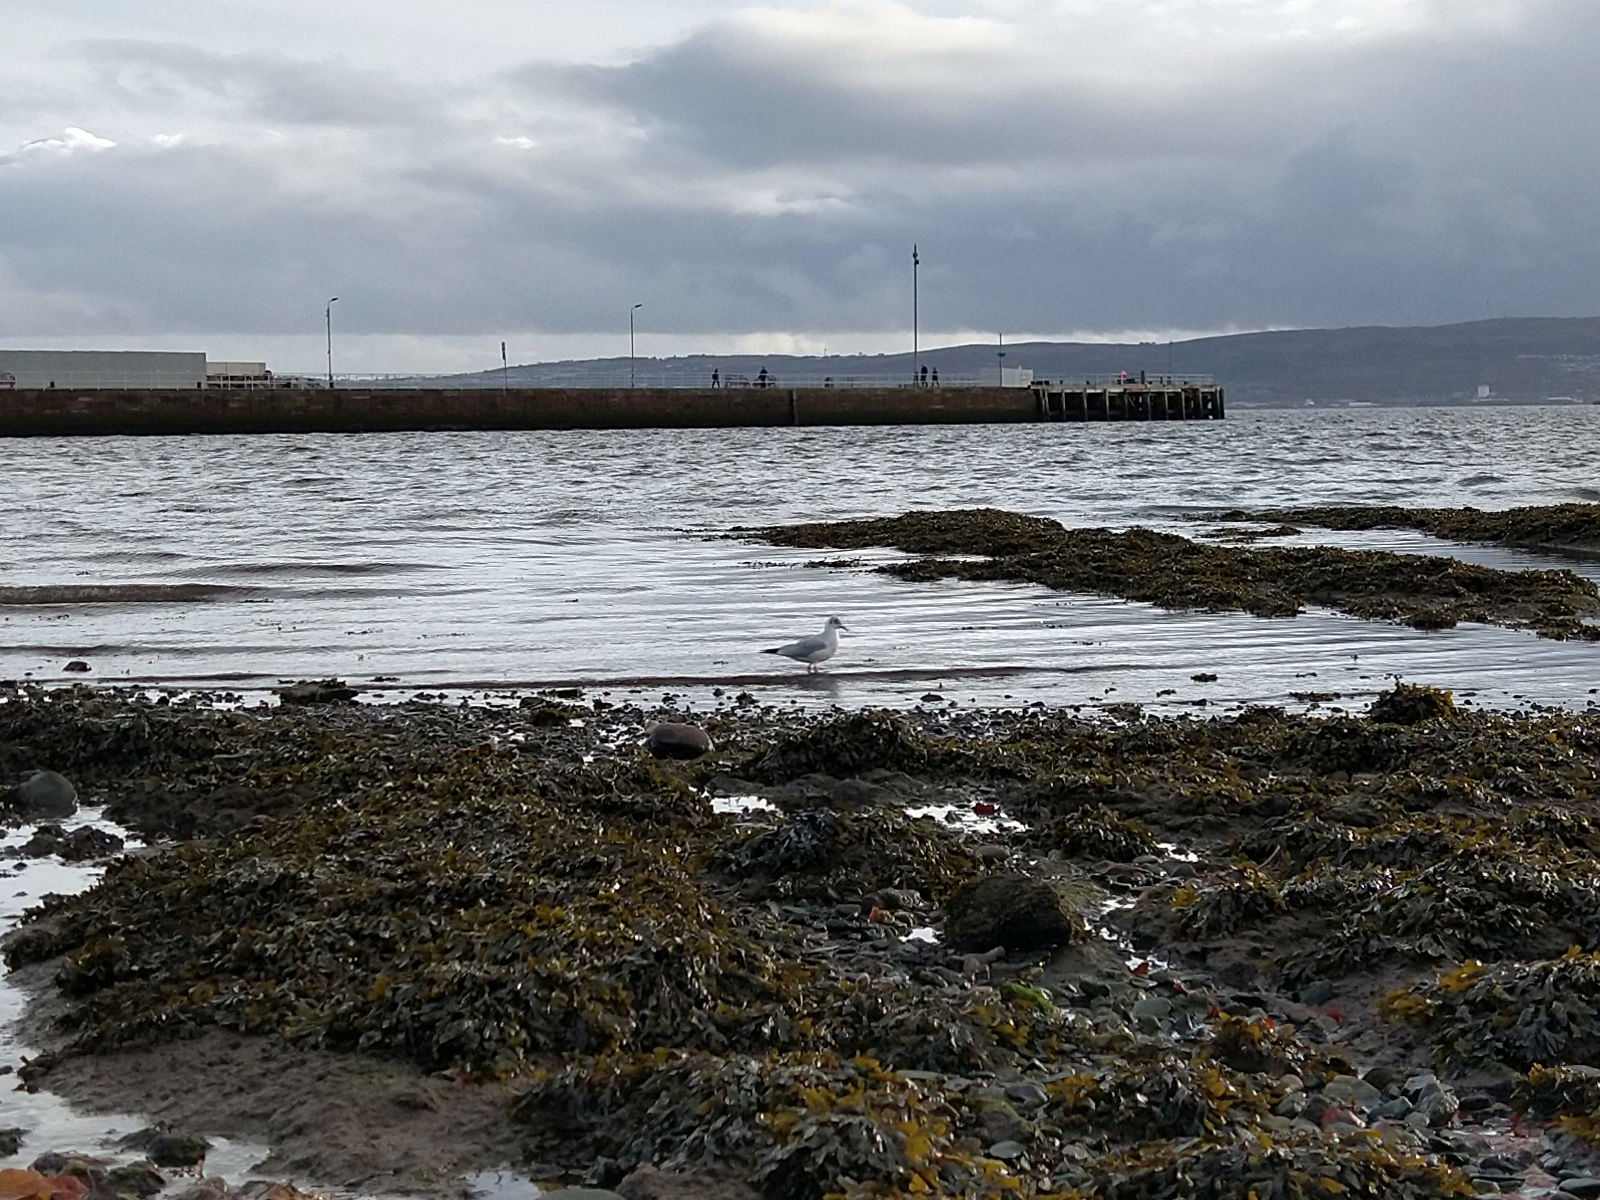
(1572, 530)
(1164, 569)
(983, 953)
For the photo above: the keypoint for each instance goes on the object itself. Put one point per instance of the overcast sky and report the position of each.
(206, 175)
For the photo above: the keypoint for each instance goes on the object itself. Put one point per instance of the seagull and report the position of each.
(819, 647)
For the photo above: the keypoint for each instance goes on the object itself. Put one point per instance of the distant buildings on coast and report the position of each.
(126, 369)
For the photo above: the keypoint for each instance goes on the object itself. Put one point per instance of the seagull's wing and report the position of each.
(806, 645)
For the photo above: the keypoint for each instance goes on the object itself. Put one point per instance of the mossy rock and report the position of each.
(1408, 704)
(1011, 910)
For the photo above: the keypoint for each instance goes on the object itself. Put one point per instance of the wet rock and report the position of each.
(140, 1180)
(652, 1183)
(11, 1141)
(77, 666)
(587, 1193)
(1156, 1008)
(58, 1162)
(1317, 992)
(1351, 1090)
(1010, 910)
(1585, 1187)
(47, 839)
(85, 843)
(45, 794)
(998, 1121)
(325, 691)
(166, 1147)
(675, 739)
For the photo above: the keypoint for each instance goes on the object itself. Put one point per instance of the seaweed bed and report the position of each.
(1260, 955)
(1423, 591)
(1569, 529)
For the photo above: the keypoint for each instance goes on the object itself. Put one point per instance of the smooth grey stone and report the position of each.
(45, 794)
(1583, 1186)
(673, 739)
(1319, 991)
(1158, 1007)
(1007, 1150)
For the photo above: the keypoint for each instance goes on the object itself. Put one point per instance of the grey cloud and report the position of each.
(268, 87)
(737, 184)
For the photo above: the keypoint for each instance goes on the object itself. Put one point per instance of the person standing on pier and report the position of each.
(716, 377)
(924, 380)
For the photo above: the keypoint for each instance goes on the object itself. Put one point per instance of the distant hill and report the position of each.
(1526, 360)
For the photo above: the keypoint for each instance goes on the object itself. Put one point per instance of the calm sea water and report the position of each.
(489, 561)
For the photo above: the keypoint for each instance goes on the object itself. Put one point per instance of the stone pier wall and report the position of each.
(66, 412)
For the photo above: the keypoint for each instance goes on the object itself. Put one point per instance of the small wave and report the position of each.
(121, 593)
(254, 570)
(1480, 480)
(1591, 495)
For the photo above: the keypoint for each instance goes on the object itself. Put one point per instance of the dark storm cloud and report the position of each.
(762, 175)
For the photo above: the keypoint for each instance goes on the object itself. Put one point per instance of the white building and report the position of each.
(101, 369)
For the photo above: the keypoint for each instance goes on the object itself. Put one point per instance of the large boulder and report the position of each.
(45, 794)
(1010, 910)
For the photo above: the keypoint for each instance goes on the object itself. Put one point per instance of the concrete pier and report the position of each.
(66, 412)
(1130, 401)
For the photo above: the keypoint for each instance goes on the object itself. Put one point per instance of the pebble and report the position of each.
(1006, 1150)
(1585, 1187)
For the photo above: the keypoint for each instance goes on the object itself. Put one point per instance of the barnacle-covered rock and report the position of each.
(1011, 910)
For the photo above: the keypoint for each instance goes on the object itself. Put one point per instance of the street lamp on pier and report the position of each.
(916, 346)
(631, 311)
(328, 316)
